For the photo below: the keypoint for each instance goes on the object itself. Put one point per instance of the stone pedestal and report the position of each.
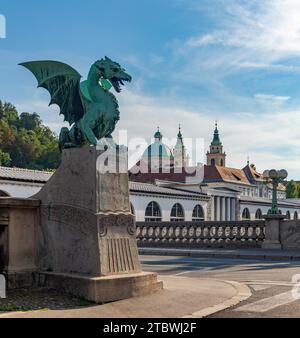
(86, 235)
(18, 224)
(272, 236)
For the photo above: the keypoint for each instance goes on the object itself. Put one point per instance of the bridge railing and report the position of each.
(241, 234)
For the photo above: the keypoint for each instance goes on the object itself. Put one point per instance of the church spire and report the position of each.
(179, 135)
(181, 158)
(216, 140)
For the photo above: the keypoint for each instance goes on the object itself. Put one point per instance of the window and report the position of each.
(246, 214)
(295, 215)
(288, 215)
(258, 214)
(236, 177)
(198, 214)
(153, 213)
(213, 162)
(177, 213)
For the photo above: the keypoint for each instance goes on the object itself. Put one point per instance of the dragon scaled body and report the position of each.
(91, 110)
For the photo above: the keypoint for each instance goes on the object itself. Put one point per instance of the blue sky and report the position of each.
(192, 62)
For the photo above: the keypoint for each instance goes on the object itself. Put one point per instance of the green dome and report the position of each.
(158, 150)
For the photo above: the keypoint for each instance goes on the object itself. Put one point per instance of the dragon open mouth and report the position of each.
(117, 83)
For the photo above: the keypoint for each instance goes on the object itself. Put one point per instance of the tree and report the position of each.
(4, 159)
(292, 189)
(27, 142)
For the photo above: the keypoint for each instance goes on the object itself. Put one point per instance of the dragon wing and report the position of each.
(63, 84)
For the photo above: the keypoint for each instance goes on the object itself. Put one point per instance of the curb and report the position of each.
(232, 255)
(243, 293)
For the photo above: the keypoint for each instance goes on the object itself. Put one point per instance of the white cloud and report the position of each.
(39, 104)
(258, 33)
(272, 98)
(271, 139)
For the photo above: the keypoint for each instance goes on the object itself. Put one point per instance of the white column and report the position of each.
(217, 205)
(233, 216)
(212, 209)
(228, 218)
(223, 208)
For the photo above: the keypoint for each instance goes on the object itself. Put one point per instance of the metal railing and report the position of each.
(242, 234)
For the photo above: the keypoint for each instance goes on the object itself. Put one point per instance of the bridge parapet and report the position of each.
(226, 234)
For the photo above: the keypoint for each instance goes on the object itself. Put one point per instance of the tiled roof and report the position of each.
(18, 174)
(219, 174)
(252, 174)
(154, 189)
(140, 173)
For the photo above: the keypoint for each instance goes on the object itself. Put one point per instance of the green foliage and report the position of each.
(293, 189)
(25, 142)
(4, 158)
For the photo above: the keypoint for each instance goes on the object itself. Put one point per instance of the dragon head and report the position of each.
(113, 72)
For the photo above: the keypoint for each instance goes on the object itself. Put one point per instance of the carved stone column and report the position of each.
(87, 232)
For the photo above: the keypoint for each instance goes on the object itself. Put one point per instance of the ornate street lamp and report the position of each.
(275, 177)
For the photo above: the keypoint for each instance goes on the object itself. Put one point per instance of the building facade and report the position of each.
(163, 187)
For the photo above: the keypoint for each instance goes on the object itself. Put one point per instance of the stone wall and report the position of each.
(290, 234)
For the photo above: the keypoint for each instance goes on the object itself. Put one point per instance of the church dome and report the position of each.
(157, 149)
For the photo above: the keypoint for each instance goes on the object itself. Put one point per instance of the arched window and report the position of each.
(295, 215)
(177, 213)
(213, 162)
(153, 213)
(198, 213)
(4, 194)
(288, 215)
(280, 212)
(246, 214)
(258, 214)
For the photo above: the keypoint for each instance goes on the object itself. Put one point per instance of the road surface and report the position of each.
(271, 282)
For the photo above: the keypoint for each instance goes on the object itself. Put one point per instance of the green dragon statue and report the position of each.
(91, 110)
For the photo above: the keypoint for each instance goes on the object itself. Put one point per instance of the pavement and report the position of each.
(274, 284)
(217, 284)
(181, 297)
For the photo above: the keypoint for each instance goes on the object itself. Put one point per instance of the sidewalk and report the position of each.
(181, 297)
(224, 253)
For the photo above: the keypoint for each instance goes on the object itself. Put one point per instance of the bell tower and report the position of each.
(181, 158)
(215, 155)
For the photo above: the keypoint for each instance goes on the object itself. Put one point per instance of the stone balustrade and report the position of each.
(245, 234)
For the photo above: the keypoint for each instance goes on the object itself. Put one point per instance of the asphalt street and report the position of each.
(271, 282)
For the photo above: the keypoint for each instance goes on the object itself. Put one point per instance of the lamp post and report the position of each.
(275, 177)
